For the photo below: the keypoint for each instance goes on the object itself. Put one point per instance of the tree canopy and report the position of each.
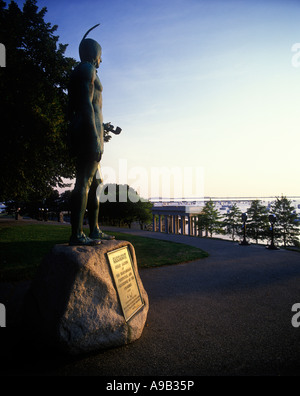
(34, 155)
(258, 222)
(209, 220)
(232, 221)
(286, 226)
(121, 204)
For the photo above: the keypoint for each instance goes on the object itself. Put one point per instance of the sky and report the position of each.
(206, 92)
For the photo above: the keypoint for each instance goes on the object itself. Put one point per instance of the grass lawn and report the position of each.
(23, 246)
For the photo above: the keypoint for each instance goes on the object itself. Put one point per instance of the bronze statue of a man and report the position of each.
(87, 141)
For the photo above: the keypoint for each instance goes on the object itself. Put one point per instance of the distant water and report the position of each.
(224, 204)
(244, 205)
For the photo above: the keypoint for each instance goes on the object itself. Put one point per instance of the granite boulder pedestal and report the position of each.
(74, 302)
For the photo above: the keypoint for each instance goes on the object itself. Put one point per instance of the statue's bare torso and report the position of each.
(85, 94)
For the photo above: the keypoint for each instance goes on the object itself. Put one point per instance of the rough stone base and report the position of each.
(73, 300)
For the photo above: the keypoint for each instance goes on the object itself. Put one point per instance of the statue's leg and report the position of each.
(93, 204)
(93, 209)
(84, 178)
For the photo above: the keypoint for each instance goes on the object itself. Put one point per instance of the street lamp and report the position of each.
(272, 220)
(244, 220)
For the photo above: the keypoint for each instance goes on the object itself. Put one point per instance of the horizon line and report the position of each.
(219, 198)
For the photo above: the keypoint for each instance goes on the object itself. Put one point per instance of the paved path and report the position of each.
(229, 314)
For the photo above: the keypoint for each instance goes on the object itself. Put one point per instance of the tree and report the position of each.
(209, 220)
(286, 226)
(34, 154)
(257, 224)
(232, 221)
(122, 204)
(143, 210)
(64, 201)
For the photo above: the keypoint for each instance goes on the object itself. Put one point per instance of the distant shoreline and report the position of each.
(224, 204)
(197, 199)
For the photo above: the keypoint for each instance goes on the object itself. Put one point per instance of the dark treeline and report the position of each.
(120, 205)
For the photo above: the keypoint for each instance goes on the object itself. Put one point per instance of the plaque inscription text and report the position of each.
(129, 294)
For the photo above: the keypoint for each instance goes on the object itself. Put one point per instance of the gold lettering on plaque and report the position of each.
(128, 290)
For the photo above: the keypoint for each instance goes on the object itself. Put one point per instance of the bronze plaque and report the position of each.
(125, 280)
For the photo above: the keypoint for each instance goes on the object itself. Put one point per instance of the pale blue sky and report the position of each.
(197, 83)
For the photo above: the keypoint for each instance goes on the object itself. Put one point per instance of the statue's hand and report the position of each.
(107, 136)
(108, 127)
